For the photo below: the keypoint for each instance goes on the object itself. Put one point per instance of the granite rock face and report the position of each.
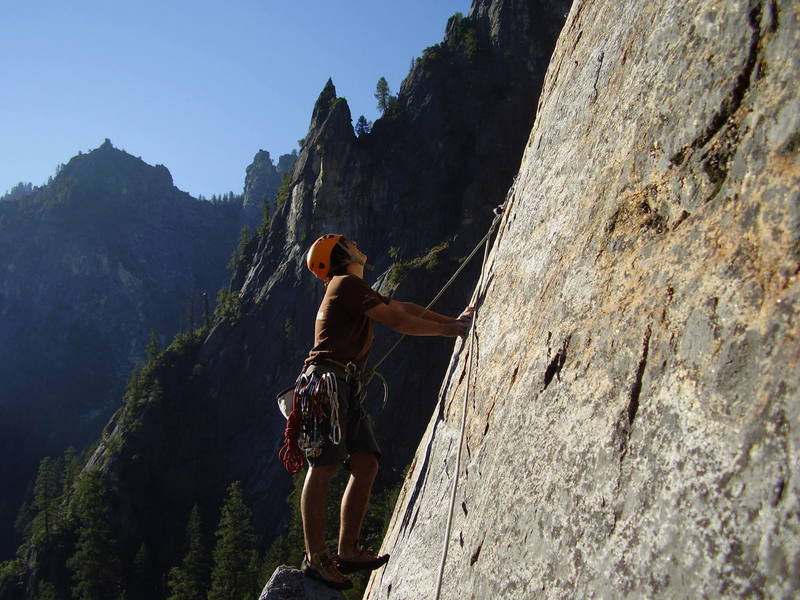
(632, 413)
(261, 182)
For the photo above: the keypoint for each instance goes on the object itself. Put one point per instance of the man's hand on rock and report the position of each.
(464, 321)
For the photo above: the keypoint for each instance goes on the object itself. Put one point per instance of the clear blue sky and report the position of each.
(198, 86)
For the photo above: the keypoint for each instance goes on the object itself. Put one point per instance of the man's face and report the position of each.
(353, 248)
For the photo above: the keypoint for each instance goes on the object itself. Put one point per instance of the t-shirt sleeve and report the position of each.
(357, 296)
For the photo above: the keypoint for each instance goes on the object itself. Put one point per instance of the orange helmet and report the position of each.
(318, 258)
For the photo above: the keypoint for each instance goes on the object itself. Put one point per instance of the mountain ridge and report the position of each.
(106, 252)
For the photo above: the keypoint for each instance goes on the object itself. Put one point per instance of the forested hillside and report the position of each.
(106, 259)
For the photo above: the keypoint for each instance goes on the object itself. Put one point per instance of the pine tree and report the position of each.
(231, 578)
(363, 126)
(153, 347)
(144, 581)
(189, 580)
(72, 467)
(24, 521)
(255, 573)
(382, 94)
(95, 563)
(46, 492)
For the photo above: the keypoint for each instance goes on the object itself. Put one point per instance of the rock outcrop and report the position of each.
(261, 184)
(632, 412)
(291, 584)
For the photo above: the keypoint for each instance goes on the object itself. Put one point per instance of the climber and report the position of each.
(342, 341)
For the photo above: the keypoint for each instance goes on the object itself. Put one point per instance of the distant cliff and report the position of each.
(91, 263)
(262, 182)
(632, 412)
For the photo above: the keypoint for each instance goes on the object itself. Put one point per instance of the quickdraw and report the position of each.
(328, 388)
(305, 433)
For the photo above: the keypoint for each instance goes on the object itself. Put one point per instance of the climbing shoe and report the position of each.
(324, 565)
(367, 564)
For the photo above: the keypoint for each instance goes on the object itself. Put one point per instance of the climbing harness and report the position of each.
(305, 432)
(470, 340)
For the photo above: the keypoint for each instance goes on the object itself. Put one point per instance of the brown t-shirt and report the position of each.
(342, 332)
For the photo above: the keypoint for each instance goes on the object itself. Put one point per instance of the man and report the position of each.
(342, 341)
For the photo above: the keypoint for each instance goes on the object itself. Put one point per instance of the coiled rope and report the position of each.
(303, 435)
(290, 454)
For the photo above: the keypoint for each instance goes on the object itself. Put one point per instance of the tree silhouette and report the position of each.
(383, 95)
(189, 580)
(46, 493)
(72, 467)
(153, 347)
(95, 564)
(145, 581)
(233, 577)
(362, 125)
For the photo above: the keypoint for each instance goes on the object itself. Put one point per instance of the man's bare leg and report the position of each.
(312, 509)
(363, 469)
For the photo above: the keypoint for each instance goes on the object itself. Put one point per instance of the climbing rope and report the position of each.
(470, 360)
(498, 213)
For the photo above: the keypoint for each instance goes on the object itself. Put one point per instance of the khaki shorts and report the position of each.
(356, 424)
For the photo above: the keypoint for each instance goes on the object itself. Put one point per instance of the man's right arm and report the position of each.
(396, 317)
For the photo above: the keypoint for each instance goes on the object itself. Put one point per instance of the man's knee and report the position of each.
(320, 476)
(364, 464)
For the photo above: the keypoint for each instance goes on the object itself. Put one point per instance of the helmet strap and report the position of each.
(353, 257)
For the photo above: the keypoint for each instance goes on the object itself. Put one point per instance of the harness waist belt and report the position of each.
(347, 372)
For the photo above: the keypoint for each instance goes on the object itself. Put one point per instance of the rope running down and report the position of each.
(470, 360)
(498, 212)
